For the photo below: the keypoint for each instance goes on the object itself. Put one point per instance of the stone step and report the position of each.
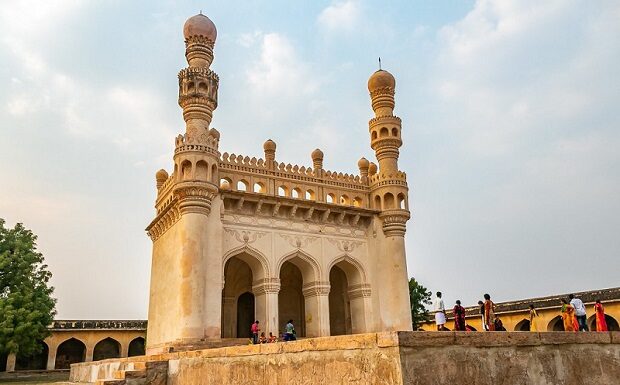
(129, 374)
(110, 382)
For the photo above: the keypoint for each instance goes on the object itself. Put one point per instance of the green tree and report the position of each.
(419, 296)
(26, 305)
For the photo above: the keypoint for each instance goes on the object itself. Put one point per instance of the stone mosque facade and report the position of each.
(236, 238)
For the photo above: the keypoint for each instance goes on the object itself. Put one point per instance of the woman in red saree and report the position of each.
(568, 317)
(459, 317)
(489, 313)
(601, 323)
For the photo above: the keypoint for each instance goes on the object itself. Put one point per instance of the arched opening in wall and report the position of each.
(388, 201)
(190, 87)
(523, 326)
(377, 202)
(291, 302)
(245, 314)
(339, 305)
(243, 185)
(237, 314)
(394, 131)
(556, 325)
(106, 348)
(202, 87)
(282, 191)
(612, 324)
(186, 170)
(136, 347)
(259, 188)
(70, 352)
(225, 183)
(401, 201)
(374, 135)
(3, 358)
(384, 132)
(330, 198)
(296, 193)
(202, 169)
(214, 173)
(344, 200)
(35, 361)
(357, 202)
(310, 195)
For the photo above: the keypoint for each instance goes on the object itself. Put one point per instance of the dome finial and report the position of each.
(379, 63)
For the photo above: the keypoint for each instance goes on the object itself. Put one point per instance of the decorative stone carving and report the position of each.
(298, 241)
(343, 245)
(245, 236)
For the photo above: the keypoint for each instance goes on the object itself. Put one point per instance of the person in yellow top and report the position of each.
(533, 319)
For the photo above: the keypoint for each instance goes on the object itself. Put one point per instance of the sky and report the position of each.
(511, 130)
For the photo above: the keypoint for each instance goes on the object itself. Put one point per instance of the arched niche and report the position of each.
(70, 352)
(136, 347)
(106, 348)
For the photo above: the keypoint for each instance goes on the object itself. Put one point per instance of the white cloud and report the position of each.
(341, 15)
(249, 38)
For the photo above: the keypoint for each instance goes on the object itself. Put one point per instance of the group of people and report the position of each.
(574, 315)
(289, 334)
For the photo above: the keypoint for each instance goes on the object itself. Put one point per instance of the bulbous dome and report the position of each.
(381, 79)
(161, 176)
(269, 145)
(200, 25)
(317, 154)
(372, 169)
(214, 133)
(363, 163)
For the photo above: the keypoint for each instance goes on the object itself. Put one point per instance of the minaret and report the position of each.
(181, 310)
(389, 194)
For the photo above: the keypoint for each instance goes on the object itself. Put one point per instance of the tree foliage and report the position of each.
(419, 297)
(26, 305)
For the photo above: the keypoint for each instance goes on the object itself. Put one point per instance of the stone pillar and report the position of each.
(316, 295)
(394, 291)
(51, 356)
(266, 302)
(10, 362)
(359, 300)
(90, 349)
(228, 317)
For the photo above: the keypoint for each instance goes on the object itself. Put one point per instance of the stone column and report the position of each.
(51, 356)
(266, 303)
(10, 362)
(316, 295)
(228, 317)
(359, 300)
(90, 349)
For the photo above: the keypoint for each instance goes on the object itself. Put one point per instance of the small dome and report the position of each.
(381, 79)
(372, 169)
(214, 133)
(200, 25)
(161, 175)
(317, 154)
(363, 163)
(269, 145)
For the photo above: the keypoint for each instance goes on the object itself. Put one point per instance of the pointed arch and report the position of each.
(523, 326)
(255, 259)
(309, 267)
(354, 270)
(106, 348)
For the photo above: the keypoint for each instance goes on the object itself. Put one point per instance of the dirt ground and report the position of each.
(35, 378)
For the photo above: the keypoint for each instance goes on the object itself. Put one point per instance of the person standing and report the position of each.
(601, 322)
(580, 312)
(440, 313)
(568, 317)
(289, 331)
(255, 330)
(484, 323)
(533, 319)
(489, 313)
(459, 317)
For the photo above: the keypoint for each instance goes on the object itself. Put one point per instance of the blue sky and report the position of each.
(511, 128)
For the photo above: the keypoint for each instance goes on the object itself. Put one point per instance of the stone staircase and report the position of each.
(142, 373)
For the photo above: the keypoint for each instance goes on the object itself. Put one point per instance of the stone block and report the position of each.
(415, 339)
(482, 339)
(557, 338)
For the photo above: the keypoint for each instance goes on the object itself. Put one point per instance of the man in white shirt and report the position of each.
(440, 315)
(580, 312)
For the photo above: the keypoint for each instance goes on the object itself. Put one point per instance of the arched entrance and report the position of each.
(35, 361)
(107, 348)
(245, 314)
(339, 305)
(523, 326)
(612, 324)
(70, 352)
(136, 347)
(556, 325)
(238, 309)
(291, 302)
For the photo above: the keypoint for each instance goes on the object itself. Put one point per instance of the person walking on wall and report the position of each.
(255, 330)
(289, 331)
(440, 313)
(568, 317)
(533, 319)
(580, 312)
(489, 313)
(459, 317)
(484, 322)
(601, 322)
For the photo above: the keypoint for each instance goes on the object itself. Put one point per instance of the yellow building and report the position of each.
(515, 314)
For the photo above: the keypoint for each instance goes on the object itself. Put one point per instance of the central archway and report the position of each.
(339, 305)
(238, 308)
(291, 302)
(70, 352)
(107, 348)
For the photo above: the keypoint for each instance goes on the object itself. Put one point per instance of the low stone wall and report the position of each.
(407, 358)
